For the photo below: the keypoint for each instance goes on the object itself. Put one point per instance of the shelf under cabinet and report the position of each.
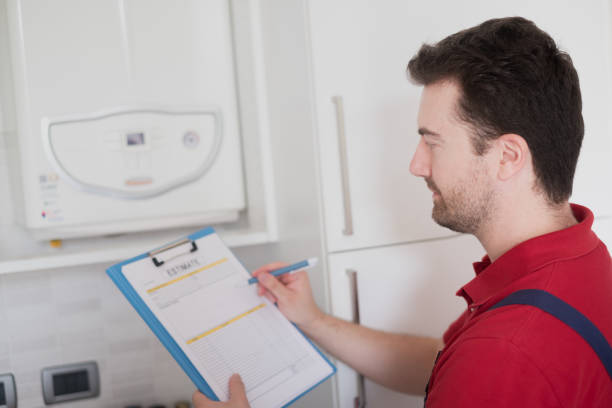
(20, 253)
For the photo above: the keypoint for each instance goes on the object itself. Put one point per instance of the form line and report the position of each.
(222, 325)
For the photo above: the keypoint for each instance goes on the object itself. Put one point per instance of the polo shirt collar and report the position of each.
(529, 256)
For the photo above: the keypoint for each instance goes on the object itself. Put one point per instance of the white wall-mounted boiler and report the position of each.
(127, 115)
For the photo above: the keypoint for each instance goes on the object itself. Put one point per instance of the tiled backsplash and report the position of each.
(77, 314)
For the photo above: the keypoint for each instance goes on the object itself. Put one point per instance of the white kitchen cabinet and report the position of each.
(360, 50)
(406, 288)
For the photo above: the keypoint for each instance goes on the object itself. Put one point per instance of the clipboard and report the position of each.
(162, 256)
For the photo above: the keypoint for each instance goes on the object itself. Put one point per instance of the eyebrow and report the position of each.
(426, 132)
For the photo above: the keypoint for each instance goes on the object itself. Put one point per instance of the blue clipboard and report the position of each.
(116, 274)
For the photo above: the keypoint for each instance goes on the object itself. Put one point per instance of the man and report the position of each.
(501, 128)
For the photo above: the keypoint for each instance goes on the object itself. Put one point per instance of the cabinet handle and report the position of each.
(352, 274)
(360, 400)
(346, 193)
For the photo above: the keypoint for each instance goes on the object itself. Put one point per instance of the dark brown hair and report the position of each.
(513, 79)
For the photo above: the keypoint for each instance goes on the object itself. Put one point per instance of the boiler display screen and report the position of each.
(135, 139)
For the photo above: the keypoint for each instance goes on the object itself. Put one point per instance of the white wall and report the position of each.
(76, 314)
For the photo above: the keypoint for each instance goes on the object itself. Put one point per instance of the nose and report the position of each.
(420, 165)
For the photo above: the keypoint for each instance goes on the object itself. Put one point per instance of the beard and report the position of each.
(465, 207)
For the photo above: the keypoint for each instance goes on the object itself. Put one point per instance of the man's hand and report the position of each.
(237, 394)
(291, 292)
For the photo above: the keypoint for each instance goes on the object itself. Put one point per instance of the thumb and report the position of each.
(236, 389)
(273, 285)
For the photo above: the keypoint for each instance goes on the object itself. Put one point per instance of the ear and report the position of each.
(513, 155)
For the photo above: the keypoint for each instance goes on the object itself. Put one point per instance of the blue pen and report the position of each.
(308, 263)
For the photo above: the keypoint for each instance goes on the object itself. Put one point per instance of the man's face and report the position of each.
(461, 181)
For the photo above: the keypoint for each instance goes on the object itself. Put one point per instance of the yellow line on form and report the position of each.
(163, 285)
(222, 325)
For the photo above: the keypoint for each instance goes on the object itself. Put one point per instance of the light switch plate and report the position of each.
(70, 382)
(9, 392)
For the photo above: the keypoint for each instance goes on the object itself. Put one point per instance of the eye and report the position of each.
(430, 141)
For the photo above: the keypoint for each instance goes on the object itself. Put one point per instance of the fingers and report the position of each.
(200, 400)
(275, 288)
(236, 390)
(270, 297)
(287, 278)
(272, 284)
(261, 290)
(237, 396)
(301, 275)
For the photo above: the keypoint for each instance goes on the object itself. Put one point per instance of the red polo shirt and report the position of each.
(520, 356)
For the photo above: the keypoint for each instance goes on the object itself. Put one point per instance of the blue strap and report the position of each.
(568, 315)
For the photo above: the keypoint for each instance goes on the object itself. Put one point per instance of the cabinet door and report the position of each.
(360, 51)
(405, 288)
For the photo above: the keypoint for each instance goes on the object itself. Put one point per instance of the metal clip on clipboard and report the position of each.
(173, 250)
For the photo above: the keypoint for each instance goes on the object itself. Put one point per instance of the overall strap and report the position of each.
(568, 315)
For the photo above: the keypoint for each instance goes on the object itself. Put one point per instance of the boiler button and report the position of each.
(191, 139)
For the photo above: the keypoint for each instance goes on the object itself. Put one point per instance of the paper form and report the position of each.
(224, 327)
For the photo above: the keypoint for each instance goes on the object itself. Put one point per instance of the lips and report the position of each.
(435, 193)
(432, 187)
